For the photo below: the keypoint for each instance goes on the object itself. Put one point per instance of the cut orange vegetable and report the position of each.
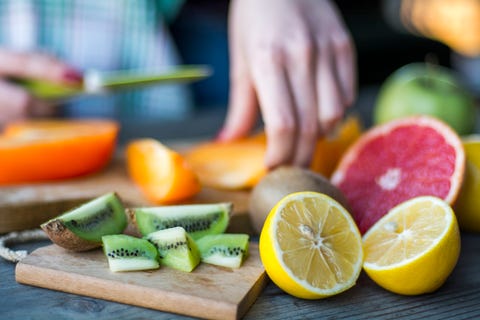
(45, 150)
(229, 165)
(160, 172)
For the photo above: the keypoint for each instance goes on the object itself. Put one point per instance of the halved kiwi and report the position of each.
(197, 219)
(227, 250)
(128, 253)
(82, 228)
(176, 248)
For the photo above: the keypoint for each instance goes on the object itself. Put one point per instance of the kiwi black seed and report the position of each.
(128, 253)
(82, 227)
(176, 248)
(227, 250)
(198, 219)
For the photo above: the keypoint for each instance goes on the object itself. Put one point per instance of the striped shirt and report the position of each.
(103, 35)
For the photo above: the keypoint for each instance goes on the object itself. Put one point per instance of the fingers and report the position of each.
(330, 104)
(302, 84)
(36, 66)
(242, 112)
(14, 102)
(345, 62)
(277, 107)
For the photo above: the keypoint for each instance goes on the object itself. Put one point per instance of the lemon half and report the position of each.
(310, 246)
(414, 247)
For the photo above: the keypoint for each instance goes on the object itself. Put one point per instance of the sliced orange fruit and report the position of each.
(44, 150)
(310, 246)
(229, 165)
(414, 248)
(160, 172)
(397, 161)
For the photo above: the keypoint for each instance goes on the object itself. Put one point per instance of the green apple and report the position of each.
(421, 88)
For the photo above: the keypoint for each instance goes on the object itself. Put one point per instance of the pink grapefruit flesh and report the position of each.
(397, 161)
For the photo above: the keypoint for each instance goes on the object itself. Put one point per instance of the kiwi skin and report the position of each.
(282, 181)
(63, 237)
(59, 233)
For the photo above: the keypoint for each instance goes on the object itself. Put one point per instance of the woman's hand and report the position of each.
(16, 102)
(295, 61)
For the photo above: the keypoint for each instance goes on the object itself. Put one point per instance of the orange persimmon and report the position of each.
(231, 165)
(239, 164)
(160, 172)
(46, 150)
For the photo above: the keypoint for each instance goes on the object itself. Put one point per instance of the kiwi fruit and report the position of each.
(128, 253)
(197, 219)
(282, 181)
(82, 228)
(176, 248)
(226, 250)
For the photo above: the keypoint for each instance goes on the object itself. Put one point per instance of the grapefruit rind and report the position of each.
(451, 138)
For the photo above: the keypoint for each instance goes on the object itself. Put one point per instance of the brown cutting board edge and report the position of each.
(207, 292)
(27, 206)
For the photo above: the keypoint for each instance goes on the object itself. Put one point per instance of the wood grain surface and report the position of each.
(27, 206)
(208, 292)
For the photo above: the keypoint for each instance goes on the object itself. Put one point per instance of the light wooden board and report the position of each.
(207, 292)
(27, 206)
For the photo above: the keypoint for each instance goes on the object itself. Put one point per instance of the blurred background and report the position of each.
(382, 41)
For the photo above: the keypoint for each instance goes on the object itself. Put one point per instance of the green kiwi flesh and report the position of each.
(128, 253)
(226, 250)
(82, 228)
(197, 219)
(176, 248)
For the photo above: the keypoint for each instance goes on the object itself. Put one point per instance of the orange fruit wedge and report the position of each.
(45, 150)
(397, 161)
(240, 164)
(161, 173)
(310, 246)
(414, 248)
(329, 149)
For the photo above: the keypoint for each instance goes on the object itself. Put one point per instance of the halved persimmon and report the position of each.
(160, 172)
(53, 149)
(239, 164)
(230, 165)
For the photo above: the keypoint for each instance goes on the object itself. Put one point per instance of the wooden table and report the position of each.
(459, 298)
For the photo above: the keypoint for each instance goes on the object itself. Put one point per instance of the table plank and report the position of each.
(459, 298)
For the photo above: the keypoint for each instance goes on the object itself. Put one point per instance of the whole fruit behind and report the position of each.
(282, 181)
(426, 89)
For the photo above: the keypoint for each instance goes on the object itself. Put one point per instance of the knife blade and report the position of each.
(101, 82)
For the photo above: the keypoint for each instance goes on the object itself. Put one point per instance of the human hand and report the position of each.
(295, 61)
(16, 102)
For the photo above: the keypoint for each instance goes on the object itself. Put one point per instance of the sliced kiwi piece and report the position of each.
(128, 253)
(197, 219)
(176, 248)
(226, 250)
(82, 228)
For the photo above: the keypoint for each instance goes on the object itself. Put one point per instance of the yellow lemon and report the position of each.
(467, 205)
(414, 247)
(310, 246)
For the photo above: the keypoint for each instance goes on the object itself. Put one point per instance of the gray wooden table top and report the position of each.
(458, 298)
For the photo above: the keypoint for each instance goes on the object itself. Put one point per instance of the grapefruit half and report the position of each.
(399, 160)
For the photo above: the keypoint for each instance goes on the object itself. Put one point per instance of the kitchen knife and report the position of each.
(101, 82)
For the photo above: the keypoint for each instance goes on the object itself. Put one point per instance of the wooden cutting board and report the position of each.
(207, 292)
(27, 206)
